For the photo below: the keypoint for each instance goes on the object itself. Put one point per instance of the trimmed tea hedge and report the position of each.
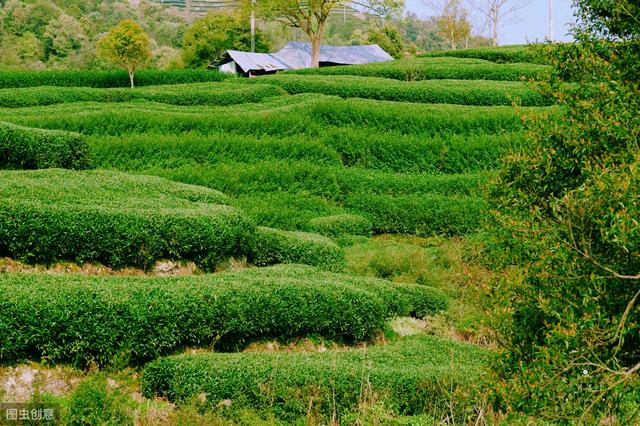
(114, 218)
(29, 148)
(270, 246)
(10, 79)
(299, 115)
(462, 92)
(422, 215)
(502, 54)
(340, 225)
(366, 148)
(435, 69)
(412, 375)
(183, 94)
(119, 321)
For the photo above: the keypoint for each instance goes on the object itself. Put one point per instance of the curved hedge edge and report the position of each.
(32, 148)
(270, 246)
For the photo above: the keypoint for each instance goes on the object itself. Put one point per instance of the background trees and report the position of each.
(208, 38)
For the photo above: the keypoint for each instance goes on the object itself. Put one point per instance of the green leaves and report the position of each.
(119, 321)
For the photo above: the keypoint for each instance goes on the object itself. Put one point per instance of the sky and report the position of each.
(532, 22)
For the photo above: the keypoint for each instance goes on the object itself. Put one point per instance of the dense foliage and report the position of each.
(10, 79)
(114, 218)
(181, 94)
(327, 383)
(28, 148)
(427, 91)
(207, 39)
(569, 205)
(508, 54)
(121, 321)
(432, 68)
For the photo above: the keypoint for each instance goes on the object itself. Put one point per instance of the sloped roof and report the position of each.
(296, 55)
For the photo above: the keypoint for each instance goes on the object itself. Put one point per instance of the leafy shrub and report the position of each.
(503, 54)
(294, 115)
(114, 218)
(14, 79)
(351, 147)
(130, 320)
(341, 224)
(435, 68)
(463, 92)
(28, 148)
(422, 215)
(156, 150)
(92, 403)
(270, 246)
(408, 376)
(184, 94)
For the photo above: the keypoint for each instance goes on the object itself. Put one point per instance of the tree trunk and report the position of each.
(495, 31)
(131, 78)
(316, 42)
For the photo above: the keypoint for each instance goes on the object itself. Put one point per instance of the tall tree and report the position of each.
(452, 20)
(311, 15)
(498, 13)
(210, 36)
(127, 46)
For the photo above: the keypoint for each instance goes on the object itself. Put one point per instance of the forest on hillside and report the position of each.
(62, 34)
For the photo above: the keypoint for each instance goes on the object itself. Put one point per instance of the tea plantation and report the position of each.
(277, 189)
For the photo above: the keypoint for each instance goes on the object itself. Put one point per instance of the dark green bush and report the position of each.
(341, 224)
(114, 218)
(130, 320)
(435, 68)
(410, 376)
(182, 94)
(270, 246)
(423, 215)
(462, 92)
(10, 79)
(29, 148)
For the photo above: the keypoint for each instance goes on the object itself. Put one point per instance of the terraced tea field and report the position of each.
(321, 224)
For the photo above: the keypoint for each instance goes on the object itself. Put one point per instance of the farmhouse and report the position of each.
(296, 55)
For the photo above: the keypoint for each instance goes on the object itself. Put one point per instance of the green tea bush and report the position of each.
(151, 150)
(270, 246)
(392, 151)
(330, 182)
(412, 375)
(183, 94)
(29, 148)
(463, 92)
(289, 116)
(348, 146)
(341, 224)
(114, 218)
(435, 68)
(503, 54)
(423, 215)
(118, 321)
(14, 79)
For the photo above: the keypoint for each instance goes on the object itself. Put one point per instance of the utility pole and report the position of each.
(551, 20)
(253, 28)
